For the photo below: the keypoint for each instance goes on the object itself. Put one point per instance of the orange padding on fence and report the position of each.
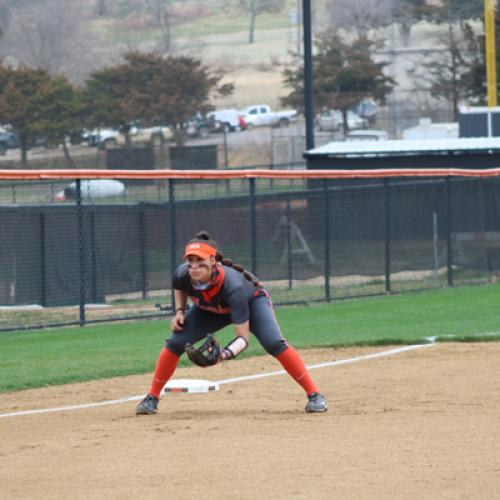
(243, 174)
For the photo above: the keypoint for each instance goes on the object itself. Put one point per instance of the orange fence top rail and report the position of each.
(242, 174)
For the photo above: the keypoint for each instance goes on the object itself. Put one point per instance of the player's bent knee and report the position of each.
(175, 344)
(277, 348)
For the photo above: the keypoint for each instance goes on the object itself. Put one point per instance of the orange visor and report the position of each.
(201, 250)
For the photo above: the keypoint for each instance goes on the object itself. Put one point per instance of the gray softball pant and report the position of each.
(199, 323)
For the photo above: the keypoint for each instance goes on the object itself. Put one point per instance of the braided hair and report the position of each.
(204, 237)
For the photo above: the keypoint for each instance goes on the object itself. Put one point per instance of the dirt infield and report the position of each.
(419, 424)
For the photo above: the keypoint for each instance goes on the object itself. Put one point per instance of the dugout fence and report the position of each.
(88, 255)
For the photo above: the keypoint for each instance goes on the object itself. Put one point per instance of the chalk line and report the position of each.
(245, 378)
(327, 363)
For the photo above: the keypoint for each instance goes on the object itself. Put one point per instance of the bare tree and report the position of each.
(46, 32)
(101, 7)
(163, 16)
(360, 15)
(5, 13)
(257, 7)
(48, 35)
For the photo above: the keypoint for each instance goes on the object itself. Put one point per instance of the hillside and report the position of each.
(219, 35)
(255, 69)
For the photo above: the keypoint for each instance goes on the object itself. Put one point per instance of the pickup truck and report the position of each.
(261, 114)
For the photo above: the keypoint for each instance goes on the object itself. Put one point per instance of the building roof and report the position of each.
(366, 149)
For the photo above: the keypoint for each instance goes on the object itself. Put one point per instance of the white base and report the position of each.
(190, 386)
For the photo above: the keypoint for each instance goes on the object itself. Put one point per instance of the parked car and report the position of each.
(11, 140)
(198, 126)
(331, 120)
(225, 119)
(8, 140)
(109, 138)
(261, 114)
(367, 109)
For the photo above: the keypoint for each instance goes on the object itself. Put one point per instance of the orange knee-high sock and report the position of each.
(165, 367)
(292, 362)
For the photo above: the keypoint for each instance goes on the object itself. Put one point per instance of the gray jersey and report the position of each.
(228, 292)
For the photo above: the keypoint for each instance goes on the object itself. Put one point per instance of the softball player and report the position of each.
(223, 293)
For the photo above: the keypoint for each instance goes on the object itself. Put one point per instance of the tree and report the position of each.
(408, 12)
(452, 11)
(360, 16)
(101, 7)
(474, 78)
(5, 14)
(163, 15)
(59, 111)
(445, 73)
(34, 103)
(49, 35)
(459, 74)
(154, 90)
(343, 75)
(258, 7)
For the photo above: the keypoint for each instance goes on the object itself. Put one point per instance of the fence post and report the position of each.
(484, 198)
(43, 269)
(81, 256)
(387, 211)
(142, 254)
(253, 226)
(289, 242)
(326, 221)
(226, 159)
(93, 251)
(173, 235)
(449, 231)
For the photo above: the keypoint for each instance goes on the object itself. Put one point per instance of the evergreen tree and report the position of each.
(59, 113)
(20, 91)
(343, 75)
(153, 89)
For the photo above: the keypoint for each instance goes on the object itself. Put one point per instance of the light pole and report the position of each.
(491, 70)
(308, 74)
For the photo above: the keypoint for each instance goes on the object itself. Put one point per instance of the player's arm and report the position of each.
(243, 330)
(177, 322)
(240, 318)
(239, 343)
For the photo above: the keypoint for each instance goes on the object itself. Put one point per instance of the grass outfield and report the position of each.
(59, 356)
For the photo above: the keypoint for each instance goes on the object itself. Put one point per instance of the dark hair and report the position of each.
(204, 237)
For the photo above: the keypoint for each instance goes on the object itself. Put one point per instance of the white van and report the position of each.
(228, 118)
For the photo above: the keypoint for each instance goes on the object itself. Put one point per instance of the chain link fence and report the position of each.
(88, 257)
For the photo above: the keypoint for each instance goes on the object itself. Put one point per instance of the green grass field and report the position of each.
(48, 357)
